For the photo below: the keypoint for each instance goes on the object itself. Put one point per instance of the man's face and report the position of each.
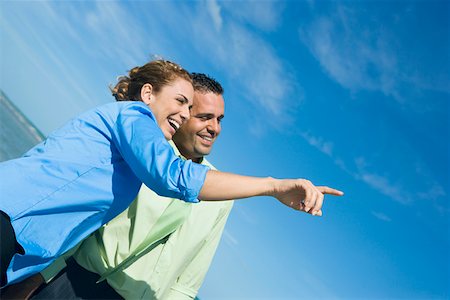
(195, 138)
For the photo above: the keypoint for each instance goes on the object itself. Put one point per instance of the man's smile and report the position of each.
(206, 139)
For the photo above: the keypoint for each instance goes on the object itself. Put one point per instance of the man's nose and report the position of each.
(214, 126)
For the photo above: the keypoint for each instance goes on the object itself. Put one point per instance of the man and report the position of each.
(172, 266)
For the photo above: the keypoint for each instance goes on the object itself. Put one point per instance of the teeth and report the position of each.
(207, 138)
(174, 124)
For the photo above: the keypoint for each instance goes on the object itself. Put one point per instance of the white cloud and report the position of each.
(319, 143)
(435, 191)
(377, 182)
(245, 215)
(363, 53)
(265, 15)
(230, 239)
(356, 58)
(381, 216)
(117, 34)
(35, 40)
(255, 61)
(398, 189)
(214, 10)
(106, 23)
(251, 63)
(258, 75)
(386, 187)
(315, 285)
(381, 183)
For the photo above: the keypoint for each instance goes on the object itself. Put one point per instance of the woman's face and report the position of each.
(170, 105)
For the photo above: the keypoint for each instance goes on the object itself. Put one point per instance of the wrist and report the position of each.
(270, 186)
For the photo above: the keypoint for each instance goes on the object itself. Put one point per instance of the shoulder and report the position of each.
(121, 106)
(205, 162)
(122, 110)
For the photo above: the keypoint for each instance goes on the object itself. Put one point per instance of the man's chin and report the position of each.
(203, 151)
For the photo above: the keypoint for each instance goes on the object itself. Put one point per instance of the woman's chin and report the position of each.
(167, 135)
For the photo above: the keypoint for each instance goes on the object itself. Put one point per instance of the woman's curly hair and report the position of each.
(157, 72)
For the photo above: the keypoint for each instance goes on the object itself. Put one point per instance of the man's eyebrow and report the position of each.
(204, 115)
(210, 115)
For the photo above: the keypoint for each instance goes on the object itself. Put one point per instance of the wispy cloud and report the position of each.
(265, 15)
(356, 58)
(381, 216)
(34, 40)
(250, 62)
(433, 193)
(377, 182)
(255, 61)
(233, 244)
(214, 10)
(316, 285)
(105, 23)
(260, 78)
(362, 54)
(385, 186)
(381, 183)
(394, 186)
(245, 215)
(229, 238)
(116, 31)
(323, 146)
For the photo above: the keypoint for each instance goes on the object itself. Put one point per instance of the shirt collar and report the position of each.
(177, 152)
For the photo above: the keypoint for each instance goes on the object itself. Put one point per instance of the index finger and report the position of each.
(330, 191)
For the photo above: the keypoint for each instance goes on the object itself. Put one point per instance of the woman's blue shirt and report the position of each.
(83, 175)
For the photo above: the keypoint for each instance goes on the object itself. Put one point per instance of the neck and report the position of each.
(196, 159)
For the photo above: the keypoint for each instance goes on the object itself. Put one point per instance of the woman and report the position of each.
(88, 171)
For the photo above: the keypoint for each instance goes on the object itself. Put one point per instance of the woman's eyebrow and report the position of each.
(184, 97)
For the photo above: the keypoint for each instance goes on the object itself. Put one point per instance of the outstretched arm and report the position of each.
(300, 194)
(153, 161)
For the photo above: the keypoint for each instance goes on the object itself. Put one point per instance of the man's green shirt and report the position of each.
(175, 268)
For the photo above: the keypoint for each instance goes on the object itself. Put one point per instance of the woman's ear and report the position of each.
(146, 93)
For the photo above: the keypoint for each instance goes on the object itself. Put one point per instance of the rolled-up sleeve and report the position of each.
(142, 145)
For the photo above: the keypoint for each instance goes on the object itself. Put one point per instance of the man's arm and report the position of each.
(190, 280)
(26, 288)
(23, 289)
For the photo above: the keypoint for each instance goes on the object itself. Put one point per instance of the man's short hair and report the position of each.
(206, 84)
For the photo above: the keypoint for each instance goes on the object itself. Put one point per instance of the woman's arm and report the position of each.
(142, 145)
(300, 194)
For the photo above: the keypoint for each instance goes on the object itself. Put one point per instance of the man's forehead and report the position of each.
(208, 103)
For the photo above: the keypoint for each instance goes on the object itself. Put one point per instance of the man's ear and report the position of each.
(147, 93)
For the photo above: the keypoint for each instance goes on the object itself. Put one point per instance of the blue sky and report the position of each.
(354, 95)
